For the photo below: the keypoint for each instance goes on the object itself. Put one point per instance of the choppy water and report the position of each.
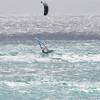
(71, 72)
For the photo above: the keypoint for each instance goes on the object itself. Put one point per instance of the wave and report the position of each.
(29, 58)
(68, 27)
(71, 86)
(28, 39)
(81, 58)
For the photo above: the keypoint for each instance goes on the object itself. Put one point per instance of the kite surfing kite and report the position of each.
(46, 8)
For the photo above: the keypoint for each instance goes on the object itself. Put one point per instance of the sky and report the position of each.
(57, 7)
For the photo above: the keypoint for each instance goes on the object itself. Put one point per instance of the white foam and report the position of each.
(88, 86)
(81, 58)
(73, 86)
(66, 57)
(22, 58)
(53, 24)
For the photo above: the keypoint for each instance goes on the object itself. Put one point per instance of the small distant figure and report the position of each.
(43, 47)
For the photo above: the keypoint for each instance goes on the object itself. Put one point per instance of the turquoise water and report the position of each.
(71, 72)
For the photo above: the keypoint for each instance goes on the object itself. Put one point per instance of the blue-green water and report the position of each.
(71, 72)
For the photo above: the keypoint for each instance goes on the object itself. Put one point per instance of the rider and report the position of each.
(44, 49)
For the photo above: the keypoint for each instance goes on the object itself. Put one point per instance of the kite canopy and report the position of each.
(46, 9)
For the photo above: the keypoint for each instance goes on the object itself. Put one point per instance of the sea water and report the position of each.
(71, 72)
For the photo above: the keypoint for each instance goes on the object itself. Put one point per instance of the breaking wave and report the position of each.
(69, 27)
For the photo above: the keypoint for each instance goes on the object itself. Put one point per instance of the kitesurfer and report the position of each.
(43, 46)
(44, 49)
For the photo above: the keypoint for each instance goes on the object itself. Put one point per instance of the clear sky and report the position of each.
(57, 7)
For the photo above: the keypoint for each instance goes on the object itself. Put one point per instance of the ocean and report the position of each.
(71, 72)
